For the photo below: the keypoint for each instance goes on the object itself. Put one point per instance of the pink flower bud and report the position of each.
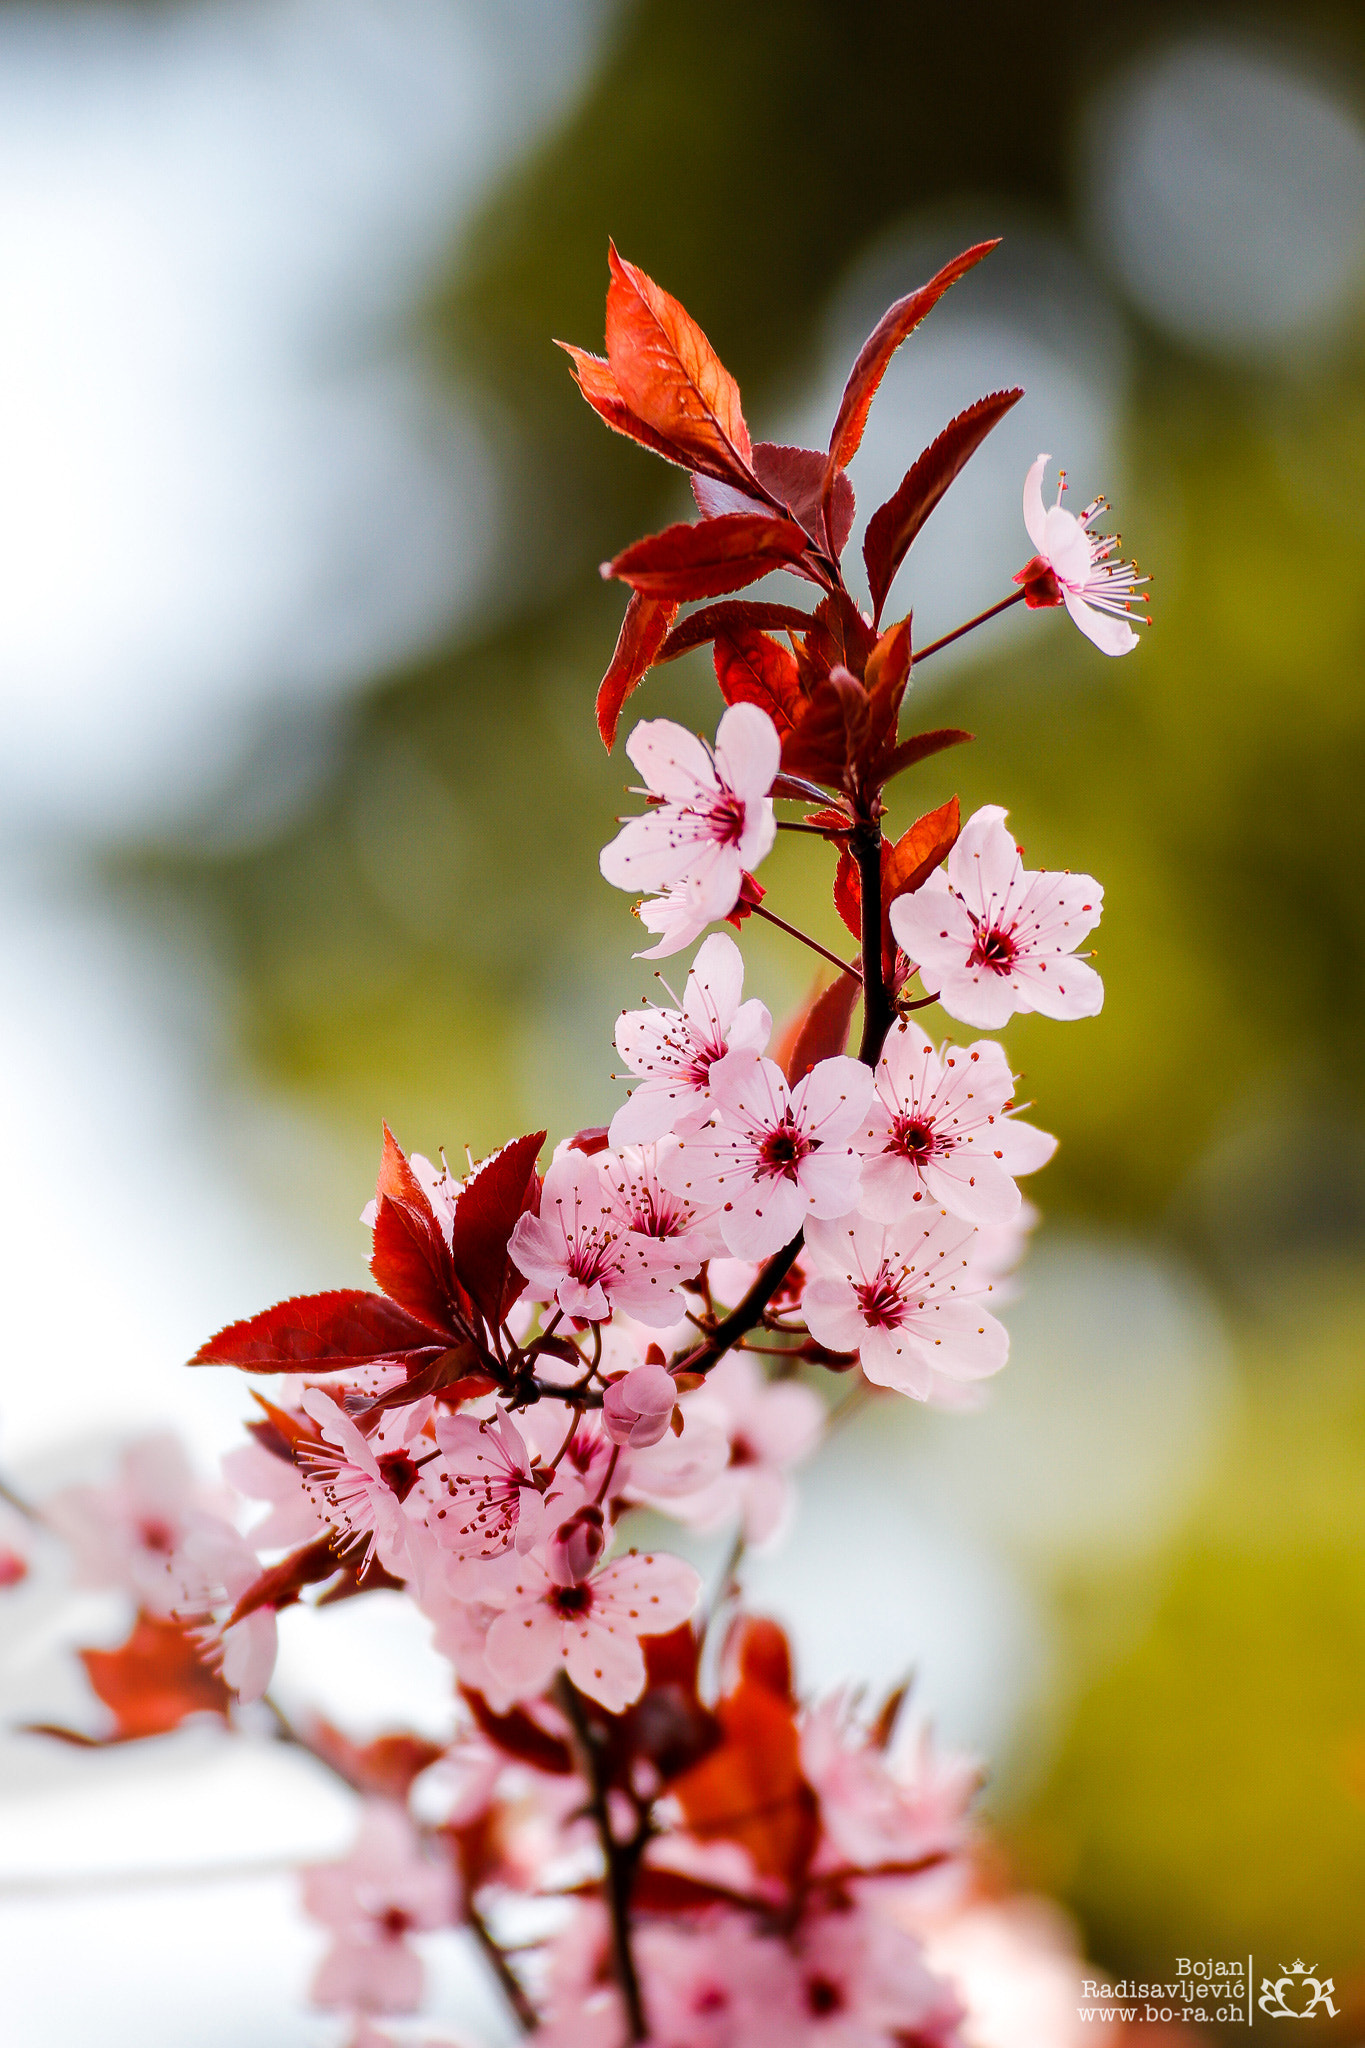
(636, 1409)
(576, 1546)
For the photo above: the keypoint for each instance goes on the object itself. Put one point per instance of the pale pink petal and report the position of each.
(369, 1976)
(674, 917)
(604, 1662)
(1063, 987)
(673, 761)
(1035, 517)
(984, 866)
(748, 751)
(832, 1100)
(831, 1314)
(1112, 635)
(1067, 548)
(1023, 1148)
(525, 1647)
(714, 986)
(655, 1593)
(975, 1187)
(249, 1650)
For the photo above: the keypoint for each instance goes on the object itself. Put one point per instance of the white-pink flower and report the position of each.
(881, 1809)
(385, 1890)
(1098, 593)
(768, 1426)
(992, 936)
(774, 1156)
(637, 1410)
(360, 1484)
(937, 1132)
(259, 1474)
(673, 1051)
(711, 819)
(651, 1216)
(218, 1566)
(905, 1298)
(579, 1253)
(592, 1630)
(479, 1497)
(129, 1533)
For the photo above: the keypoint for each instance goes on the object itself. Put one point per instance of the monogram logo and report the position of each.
(1296, 1981)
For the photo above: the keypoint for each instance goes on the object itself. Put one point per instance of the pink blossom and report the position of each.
(360, 1483)
(856, 1980)
(878, 1809)
(767, 1427)
(259, 1474)
(772, 1157)
(591, 1630)
(129, 1534)
(991, 937)
(480, 1497)
(673, 1051)
(651, 1216)
(1098, 593)
(1015, 1965)
(711, 819)
(578, 1253)
(371, 1901)
(938, 1131)
(637, 1410)
(217, 1567)
(904, 1296)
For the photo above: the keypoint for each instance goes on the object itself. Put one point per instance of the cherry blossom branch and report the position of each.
(18, 1503)
(527, 2018)
(620, 1860)
(879, 1012)
(991, 612)
(806, 940)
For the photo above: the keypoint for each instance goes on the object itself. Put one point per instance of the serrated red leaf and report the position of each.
(280, 1585)
(839, 637)
(885, 677)
(897, 323)
(323, 1333)
(411, 1261)
(751, 1789)
(486, 1213)
(894, 525)
(154, 1680)
(709, 558)
(848, 893)
(919, 851)
(671, 378)
(796, 478)
(921, 745)
(599, 387)
(643, 632)
(819, 1030)
(752, 669)
(829, 731)
(730, 617)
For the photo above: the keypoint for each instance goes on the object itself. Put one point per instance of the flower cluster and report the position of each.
(648, 1322)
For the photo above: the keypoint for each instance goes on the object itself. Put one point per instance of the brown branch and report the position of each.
(620, 1860)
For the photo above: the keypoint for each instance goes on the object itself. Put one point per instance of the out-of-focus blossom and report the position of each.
(371, 1901)
(769, 1426)
(128, 1534)
(880, 1809)
(1016, 1967)
(937, 1132)
(905, 1298)
(772, 1157)
(991, 937)
(258, 1474)
(1073, 567)
(711, 819)
(673, 1051)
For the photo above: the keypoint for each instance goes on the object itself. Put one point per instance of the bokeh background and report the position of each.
(300, 802)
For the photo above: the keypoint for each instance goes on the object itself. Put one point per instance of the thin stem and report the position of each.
(619, 1860)
(991, 612)
(18, 1503)
(798, 825)
(806, 940)
(879, 1012)
(527, 2018)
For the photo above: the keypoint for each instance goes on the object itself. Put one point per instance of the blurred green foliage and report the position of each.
(430, 940)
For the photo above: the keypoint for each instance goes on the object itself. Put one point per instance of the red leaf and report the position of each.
(796, 478)
(154, 1680)
(486, 1213)
(599, 387)
(280, 1585)
(752, 669)
(830, 730)
(919, 851)
(411, 1261)
(730, 617)
(922, 744)
(887, 672)
(848, 894)
(643, 632)
(670, 376)
(323, 1333)
(382, 1769)
(517, 1735)
(839, 638)
(751, 1789)
(819, 1029)
(709, 558)
(897, 323)
(893, 526)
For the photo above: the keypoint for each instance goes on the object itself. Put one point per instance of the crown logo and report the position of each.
(1296, 1979)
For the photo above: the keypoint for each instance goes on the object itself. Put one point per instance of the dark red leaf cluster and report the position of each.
(765, 506)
